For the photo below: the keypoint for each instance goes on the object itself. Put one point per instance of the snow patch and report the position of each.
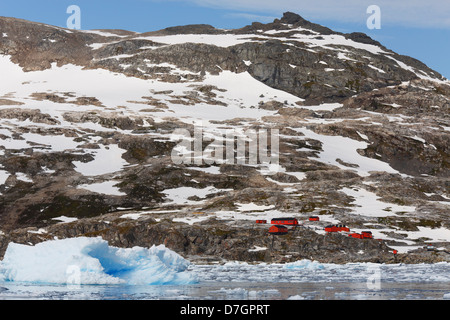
(346, 149)
(369, 204)
(3, 176)
(64, 219)
(107, 187)
(252, 207)
(181, 195)
(106, 160)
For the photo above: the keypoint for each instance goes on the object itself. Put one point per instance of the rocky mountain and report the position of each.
(88, 123)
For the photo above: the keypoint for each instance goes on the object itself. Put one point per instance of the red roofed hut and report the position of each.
(278, 230)
(285, 221)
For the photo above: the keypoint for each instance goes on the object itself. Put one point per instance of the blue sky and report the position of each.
(420, 29)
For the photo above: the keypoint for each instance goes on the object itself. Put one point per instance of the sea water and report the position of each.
(90, 269)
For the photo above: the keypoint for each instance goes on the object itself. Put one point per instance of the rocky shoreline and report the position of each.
(220, 241)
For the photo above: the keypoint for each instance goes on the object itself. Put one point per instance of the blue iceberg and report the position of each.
(88, 261)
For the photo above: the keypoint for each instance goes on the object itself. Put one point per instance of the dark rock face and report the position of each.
(403, 152)
(297, 21)
(318, 77)
(363, 38)
(36, 46)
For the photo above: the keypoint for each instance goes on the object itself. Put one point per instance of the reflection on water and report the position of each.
(231, 291)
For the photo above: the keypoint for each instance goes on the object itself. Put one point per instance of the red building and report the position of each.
(278, 230)
(337, 228)
(363, 235)
(356, 235)
(285, 221)
(367, 235)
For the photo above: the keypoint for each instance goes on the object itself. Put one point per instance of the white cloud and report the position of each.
(251, 17)
(412, 13)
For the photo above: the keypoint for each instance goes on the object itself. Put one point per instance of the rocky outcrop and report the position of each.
(36, 46)
(418, 152)
(320, 75)
(218, 241)
(212, 240)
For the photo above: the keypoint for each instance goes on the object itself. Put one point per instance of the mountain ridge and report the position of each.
(314, 87)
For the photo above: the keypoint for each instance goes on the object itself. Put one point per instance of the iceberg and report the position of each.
(91, 261)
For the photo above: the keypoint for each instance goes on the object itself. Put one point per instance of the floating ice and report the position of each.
(304, 264)
(93, 261)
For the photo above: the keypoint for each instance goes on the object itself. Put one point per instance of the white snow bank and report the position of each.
(369, 204)
(325, 107)
(106, 187)
(244, 207)
(181, 195)
(219, 40)
(433, 234)
(93, 261)
(65, 219)
(3, 176)
(106, 160)
(346, 149)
